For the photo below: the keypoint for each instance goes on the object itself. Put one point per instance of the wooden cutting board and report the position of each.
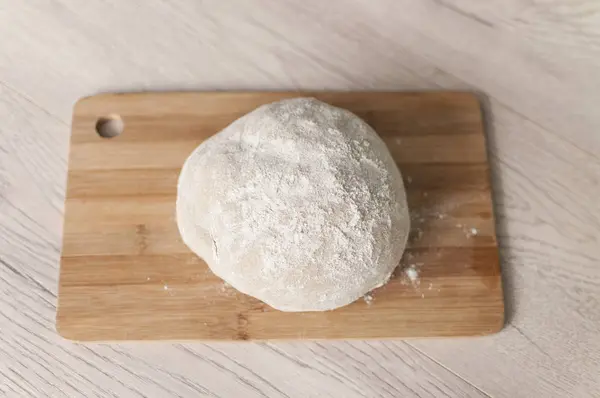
(126, 275)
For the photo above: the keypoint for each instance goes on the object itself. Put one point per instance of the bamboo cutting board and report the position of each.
(126, 275)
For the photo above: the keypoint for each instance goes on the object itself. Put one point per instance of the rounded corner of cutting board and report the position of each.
(63, 329)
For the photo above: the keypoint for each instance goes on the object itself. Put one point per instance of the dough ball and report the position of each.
(297, 203)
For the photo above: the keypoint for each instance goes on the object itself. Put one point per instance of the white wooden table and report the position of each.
(538, 63)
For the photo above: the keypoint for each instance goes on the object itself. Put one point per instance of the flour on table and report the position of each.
(410, 275)
(413, 275)
(468, 231)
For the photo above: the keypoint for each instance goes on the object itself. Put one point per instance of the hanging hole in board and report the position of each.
(110, 126)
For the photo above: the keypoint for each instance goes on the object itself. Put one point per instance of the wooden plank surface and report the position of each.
(536, 62)
(126, 274)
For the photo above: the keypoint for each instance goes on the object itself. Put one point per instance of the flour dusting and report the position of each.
(413, 275)
(298, 203)
(410, 275)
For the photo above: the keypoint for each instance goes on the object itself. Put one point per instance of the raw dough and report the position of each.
(297, 203)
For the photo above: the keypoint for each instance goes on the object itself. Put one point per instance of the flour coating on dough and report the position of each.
(297, 203)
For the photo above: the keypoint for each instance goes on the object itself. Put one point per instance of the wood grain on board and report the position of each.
(126, 275)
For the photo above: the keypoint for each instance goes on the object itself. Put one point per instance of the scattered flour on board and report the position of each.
(410, 275)
(413, 275)
(468, 231)
(226, 289)
(168, 289)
